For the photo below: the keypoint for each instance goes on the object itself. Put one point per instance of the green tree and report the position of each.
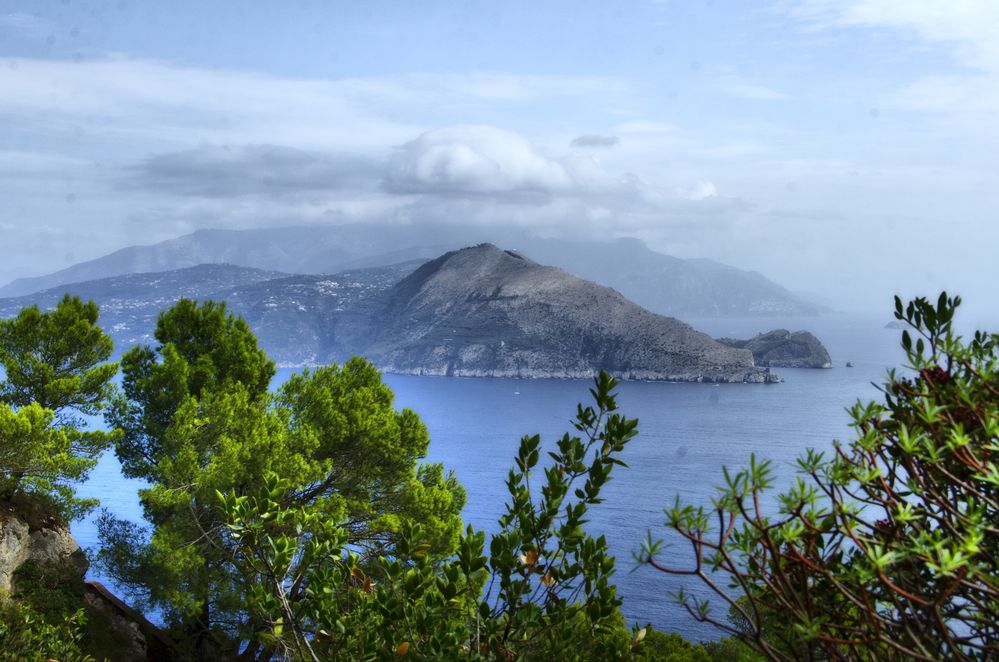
(554, 596)
(198, 419)
(548, 592)
(39, 461)
(57, 359)
(671, 647)
(201, 349)
(55, 372)
(889, 548)
(364, 457)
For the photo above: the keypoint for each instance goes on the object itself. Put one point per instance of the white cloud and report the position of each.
(467, 174)
(138, 150)
(699, 191)
(484, 161)
(968, 29)
(594, 140)
(474, 159)
(972, 26)
(237, 170)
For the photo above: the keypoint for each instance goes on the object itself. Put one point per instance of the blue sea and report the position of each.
(687, 433)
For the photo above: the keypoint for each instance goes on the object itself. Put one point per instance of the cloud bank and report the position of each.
(237, 170)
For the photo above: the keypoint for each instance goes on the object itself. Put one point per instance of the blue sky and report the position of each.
(844, 147)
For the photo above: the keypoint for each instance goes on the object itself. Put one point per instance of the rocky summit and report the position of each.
(484, 311)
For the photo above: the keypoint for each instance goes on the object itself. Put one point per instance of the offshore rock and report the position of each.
(783, 349)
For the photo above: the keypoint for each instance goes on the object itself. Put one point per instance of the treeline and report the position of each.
(303, 523)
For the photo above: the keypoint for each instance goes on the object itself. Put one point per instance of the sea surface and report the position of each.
(687, 432)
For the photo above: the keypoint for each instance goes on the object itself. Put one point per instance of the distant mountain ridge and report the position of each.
(131, 302)
(479, 311)
(661, 283)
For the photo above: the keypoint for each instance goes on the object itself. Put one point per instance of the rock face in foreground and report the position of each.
(21, 542)
(483, 311)
(783, 349)
(29, 538)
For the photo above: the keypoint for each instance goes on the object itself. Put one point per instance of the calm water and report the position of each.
(687, 432)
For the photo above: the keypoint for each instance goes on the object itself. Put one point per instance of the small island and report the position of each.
(781, 348)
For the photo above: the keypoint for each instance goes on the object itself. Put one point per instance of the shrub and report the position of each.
(889, 547)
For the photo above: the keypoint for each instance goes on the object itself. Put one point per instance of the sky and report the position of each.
(844, 148)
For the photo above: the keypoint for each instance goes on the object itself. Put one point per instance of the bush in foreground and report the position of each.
(889, 547)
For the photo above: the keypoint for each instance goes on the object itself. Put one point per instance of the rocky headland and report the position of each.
(483, 311)
(781, 348)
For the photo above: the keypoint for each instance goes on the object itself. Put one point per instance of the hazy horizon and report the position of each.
(844, 148)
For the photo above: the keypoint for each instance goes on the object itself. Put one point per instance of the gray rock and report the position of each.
(783, 349)
(20, 543)
(14, 545)
(49, 543)
(126, 632)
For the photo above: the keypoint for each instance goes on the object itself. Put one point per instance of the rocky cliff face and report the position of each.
(21, 542)
(44, 551)
(483, 311)
(781, 348)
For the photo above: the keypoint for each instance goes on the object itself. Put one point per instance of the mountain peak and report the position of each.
(484, 311)
(483, 253)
